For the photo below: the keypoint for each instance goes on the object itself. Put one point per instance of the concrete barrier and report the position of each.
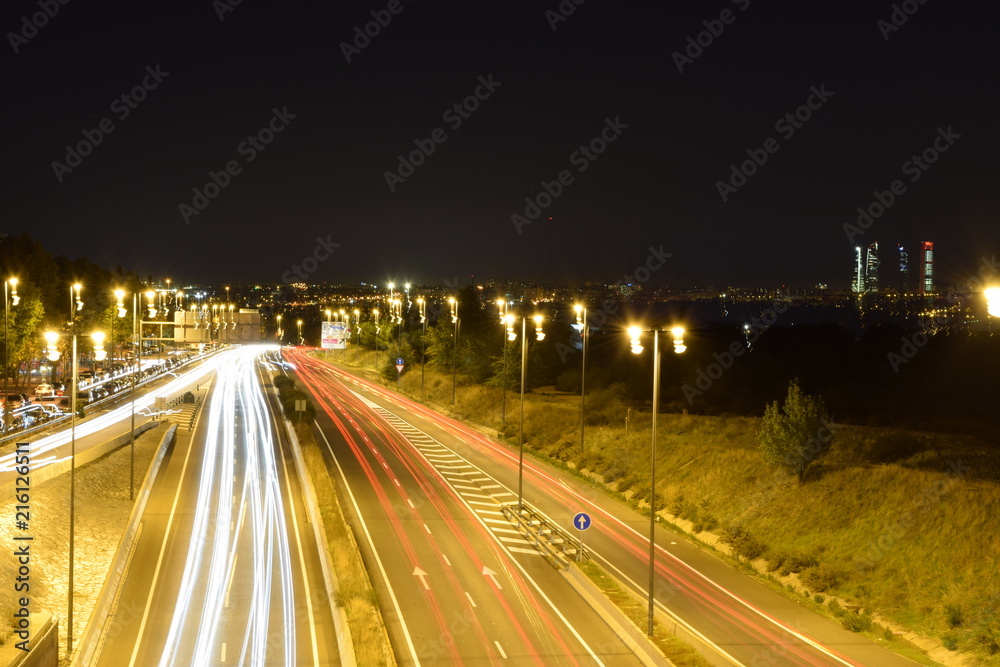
(43, 644)
(88, 649)
(53, 470)
(345, 643)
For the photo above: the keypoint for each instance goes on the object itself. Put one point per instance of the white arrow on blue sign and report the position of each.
(399, 361)
(582, 521)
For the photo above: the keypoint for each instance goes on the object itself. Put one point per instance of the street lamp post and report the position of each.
(302, 341)
(53, 354)
(581, 318)
(507, 330)
(14, 299)
(454, 348)
(277, 331)
(678, 334)
(539, 335)
(422, 305)
(357, 323)
(509, 335)
(377, 329)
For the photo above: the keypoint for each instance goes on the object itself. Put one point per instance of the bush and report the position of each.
(776, 560)
(950, 642)
(823, 577)
(819, 599)
(836, 609)
(953, 614)
(796, 562)
(743, 543)
(857, 622)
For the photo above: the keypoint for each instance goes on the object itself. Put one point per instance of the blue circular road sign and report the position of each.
(582, 521)
(399, 361)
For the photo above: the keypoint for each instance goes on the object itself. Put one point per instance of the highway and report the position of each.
(746, 622)
(103, 424)
(226, 570)
(457, 584)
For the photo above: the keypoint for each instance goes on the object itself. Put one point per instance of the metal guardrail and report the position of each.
(558, 545)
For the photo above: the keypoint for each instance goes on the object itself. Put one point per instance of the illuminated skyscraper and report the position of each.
(927, 267)
(858, 281)
(904, 270)
(871, 269)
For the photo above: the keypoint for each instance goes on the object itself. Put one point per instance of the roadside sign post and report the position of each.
(399, 371)
(581, 522)
(300, 407)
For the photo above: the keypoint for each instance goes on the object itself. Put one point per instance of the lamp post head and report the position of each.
(634, 333)
(678, 334)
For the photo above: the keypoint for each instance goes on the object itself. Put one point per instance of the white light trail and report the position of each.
(202, 620)
(95, 424)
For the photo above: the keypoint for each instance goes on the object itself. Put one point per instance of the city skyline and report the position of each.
(755, 148)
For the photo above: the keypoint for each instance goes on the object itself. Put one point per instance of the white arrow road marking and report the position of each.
(492, 575)
(417, 572)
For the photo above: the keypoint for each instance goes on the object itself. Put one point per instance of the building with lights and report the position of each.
(904, 270)
(927, 267)
(858, 281)
(871, 269)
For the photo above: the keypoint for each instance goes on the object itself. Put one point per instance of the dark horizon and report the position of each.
(868, 98)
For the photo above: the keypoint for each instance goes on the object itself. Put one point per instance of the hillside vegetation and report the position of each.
(899, 523)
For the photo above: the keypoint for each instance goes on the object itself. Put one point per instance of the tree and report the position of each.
(795, 435)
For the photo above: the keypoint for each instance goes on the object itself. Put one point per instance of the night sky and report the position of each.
(607, 65)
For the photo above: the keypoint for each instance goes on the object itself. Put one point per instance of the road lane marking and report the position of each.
(446, 560)
(500, 648)
(222, 658)
(471, 601)
(427, 529)
(163, 545)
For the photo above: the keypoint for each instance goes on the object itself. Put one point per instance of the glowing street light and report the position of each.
(51, 338)
(357, 323)
(634, 334)
(539, 335)
(302, 340)
(454, 347)
(581, 323)
(13, 300)
(993, 301)
(422, 306)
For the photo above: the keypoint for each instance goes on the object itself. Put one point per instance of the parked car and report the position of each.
(14, 401)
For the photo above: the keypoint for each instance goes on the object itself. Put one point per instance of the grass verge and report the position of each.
(897, 523)
(677, 651)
